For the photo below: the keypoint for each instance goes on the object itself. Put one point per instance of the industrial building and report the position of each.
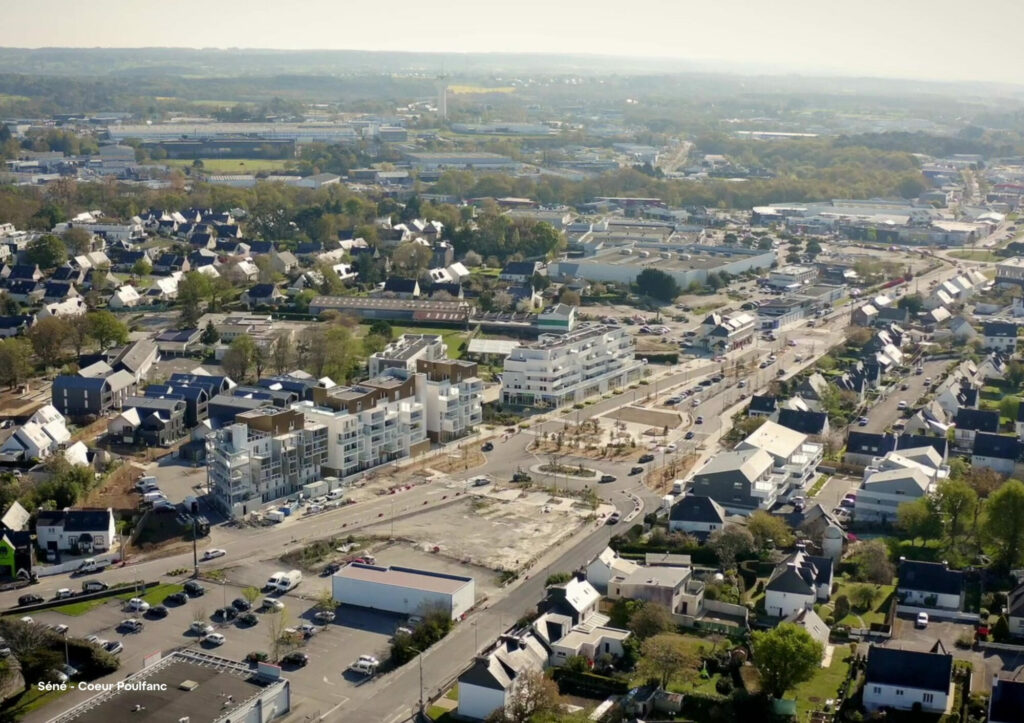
(403, 590)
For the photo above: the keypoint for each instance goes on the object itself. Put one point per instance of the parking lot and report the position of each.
(322, 685)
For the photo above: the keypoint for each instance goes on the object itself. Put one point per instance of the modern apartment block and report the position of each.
(371, 423)
(560, 369)
(268, 453)
(405, 351)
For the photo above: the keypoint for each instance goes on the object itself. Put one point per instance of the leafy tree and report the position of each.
(657, 284)
(1004, 522)
(142, 268)
(570, 297)
(873, 563)
(48, 338)
(1008, 407)
(193, 289)
(765, 526)
(78, 240)
(251, 594)
(381, 328)
(957, 502)
(863, 596)
(472, 259)
(666, 658)
(47, 251)
(729, 542)
(785, 657)
(210, 335)
(912, 303)
(106, 329)
(919, 519)
(858, 336)
(1015, 373)
(325, 601)
(651, 619)
(841, 608)
(534, 697)
(15, 361)
(239, 357)
(540, 281)
(557, 578)
(411, 258)
(764, 244)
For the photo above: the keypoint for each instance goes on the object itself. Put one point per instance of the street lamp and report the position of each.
(419, 656)
(67, 657)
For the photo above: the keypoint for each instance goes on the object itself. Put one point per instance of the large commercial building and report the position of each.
(189, 685)
(403, 590)
(560, 369)
(686, 264)
(267, 454)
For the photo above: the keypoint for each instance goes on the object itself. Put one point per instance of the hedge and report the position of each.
(659, 357)
(588, 685)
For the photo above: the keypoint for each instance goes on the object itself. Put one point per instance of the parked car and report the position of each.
(157, 611)
(270, 603)
(213, 553)
(30, 599)
(613, 518)
(903, 404)
(177, 598)
(201, 627)
(296, 658)
(671, 447)
(487, 447)
(922, 620)
(213, 639)
(94, 586)
(63, 593)
(249, 619)
(636, 470)
(194, 589)
(689, 435)
(862, 422)
(225, 613)
(324, 616)
(699, 420)
(137, 605)
(114, 647)
(644, 458)
(132, 625)
(241, 604)
(606, 478)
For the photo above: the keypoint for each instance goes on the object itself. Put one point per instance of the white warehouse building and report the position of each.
(402, 590)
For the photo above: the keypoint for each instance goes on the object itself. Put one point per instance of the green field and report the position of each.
(980, 255)
(235, 165)
(154, 596)
(453, 338)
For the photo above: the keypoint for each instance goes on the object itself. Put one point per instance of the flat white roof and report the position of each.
(404, 577)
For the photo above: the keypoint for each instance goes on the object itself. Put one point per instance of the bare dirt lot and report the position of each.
(499, 530)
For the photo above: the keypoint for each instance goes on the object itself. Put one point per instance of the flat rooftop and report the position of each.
(404, 577)
(379, 302)
(685, 258)
(408, 346)
(212, 680)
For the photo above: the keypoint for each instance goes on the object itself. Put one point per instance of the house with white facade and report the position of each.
(797, 583)
(125, 297)
(903, 679)
(696, 515)
(794, 457)
(492, 681)
(607, 565)
(930, 584)
(996, 451)
(40, 436)
(79, 531)
(560, 369)
(883, 491)
(999, 336)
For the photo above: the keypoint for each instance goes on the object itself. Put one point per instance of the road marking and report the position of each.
(344, 700)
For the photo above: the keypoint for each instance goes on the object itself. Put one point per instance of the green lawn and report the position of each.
(453, 338)
(875, 615)
(80, 608)
(453, 694)
(823, 686)
(818, 484)
(233, 165)
(20, 705)
(979, 255)
(154, 596)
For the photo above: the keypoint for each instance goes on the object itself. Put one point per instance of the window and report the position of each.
(877, 690)
(899, 691)
(928, 698)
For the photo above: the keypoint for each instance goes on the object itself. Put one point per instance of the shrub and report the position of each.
(724, 686)
(965, 640)
(842, 607)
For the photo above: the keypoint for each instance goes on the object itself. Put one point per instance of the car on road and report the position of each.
(137, 605)
(672, 401)
(487, 447)
(636, 470)
(241, 604)
(689, 435)
(481, 482)
(296, 659)
(214, 553)
(904, 387)
(176, 598)
(903, 404)
(114, 647)
(248, 619)
(862, 422)
(921, 621)
(63, 594)
(157, 611)
(791, 342)
(30, 599)
(696, 402)
(213, 639)
(94, 586)
(132, 625)
(671, 447)
(706, 383)
(742, 384)
(308, 630)
(194, 589)
(717, 378)
(200, 627)
(613, 518)
(763, 365)
(699, 420)
(644, 458)
(324, 616)
(606, 478)
(270, 603)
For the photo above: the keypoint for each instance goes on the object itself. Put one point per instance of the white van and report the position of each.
(335, 494)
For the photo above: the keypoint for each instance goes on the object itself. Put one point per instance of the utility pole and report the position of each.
(195, 542)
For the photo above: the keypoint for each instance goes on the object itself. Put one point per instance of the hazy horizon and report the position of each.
(910, 40)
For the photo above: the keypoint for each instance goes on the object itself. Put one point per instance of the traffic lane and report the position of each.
(886, 409)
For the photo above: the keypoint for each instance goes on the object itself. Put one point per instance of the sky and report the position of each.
(927, 39)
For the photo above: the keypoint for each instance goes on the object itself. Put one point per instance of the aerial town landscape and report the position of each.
(367, 386)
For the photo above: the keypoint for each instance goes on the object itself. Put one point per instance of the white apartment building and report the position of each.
(560, 369)
(1010, 271)
(792, 276)
(265, 455)
(794, 458)
(405, 351)
(370, 424)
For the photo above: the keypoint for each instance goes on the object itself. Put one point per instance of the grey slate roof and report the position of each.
(909, 669)
(930, 577)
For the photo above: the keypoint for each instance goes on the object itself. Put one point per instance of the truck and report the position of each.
(274, 515)
(284, 581)
(677, 486)
(92, 565)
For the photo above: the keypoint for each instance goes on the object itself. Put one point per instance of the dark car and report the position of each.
(30, 599)
(607, 478)
(241, 604)
(330, 569)
(226, 613)
(644, 458)
(248, 619)
(176, 598)
(636, 470)
(157, 611)
(706, 383)
(194, 589)
(487, 447)
(296, 659)
(688, 435)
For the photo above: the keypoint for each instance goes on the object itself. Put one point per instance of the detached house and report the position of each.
(519, 271)
(741, 481)
(76, 531)
(996, 451)
(401, 288)
(930, 584)
(904, 679)
(261, 295)
(969, 422)
(999, 336)
(492, 681)
(696, 515)
(797, 583)
(1006, 704)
